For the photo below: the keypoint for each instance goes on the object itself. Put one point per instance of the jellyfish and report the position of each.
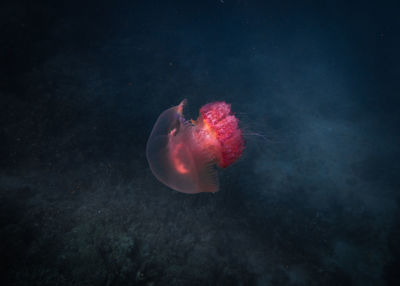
(184, 155)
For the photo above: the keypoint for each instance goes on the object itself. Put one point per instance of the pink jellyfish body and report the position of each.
(182, 154)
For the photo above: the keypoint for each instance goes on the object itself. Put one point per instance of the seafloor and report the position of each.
(313, 201)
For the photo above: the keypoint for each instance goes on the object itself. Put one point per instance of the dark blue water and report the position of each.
(314, 201)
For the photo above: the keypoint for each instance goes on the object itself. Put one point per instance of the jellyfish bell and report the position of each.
(184, 154)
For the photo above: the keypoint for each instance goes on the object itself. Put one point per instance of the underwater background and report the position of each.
(314, 200)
